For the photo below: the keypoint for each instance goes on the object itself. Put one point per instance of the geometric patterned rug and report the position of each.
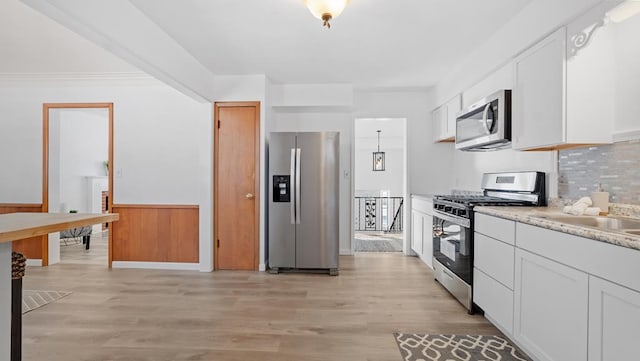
(414, 347)
(32, 299)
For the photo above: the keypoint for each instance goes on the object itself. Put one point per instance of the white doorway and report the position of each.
(379, 185)
(78, 158)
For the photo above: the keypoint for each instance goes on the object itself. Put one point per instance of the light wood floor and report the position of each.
(170, 315)
(97, 254)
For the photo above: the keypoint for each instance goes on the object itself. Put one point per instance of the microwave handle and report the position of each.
(485, 118)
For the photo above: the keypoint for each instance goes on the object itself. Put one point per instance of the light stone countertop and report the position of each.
(427, 197)
(531, 215)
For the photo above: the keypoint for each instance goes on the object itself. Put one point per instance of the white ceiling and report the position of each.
(32, 43)
(392, 135)
(381, 43)
(374, 43)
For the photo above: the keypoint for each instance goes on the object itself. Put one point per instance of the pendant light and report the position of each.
(326, 10)
(378, 157)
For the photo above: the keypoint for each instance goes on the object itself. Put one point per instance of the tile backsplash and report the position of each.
(615, 166)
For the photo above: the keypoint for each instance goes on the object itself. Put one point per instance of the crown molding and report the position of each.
(70, 79)
(626, 135)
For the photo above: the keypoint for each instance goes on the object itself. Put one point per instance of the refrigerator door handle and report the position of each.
(293, 175)
(298, 204)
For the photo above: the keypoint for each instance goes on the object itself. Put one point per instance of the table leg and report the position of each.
(5, 301)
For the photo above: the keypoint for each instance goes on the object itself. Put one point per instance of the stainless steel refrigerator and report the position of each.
(303, 201)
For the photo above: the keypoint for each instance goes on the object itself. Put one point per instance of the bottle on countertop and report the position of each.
(600, 199)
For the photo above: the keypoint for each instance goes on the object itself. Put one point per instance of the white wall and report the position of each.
(368, 182)
(469, 167)
(536, 20)
(161, 143)
(428, 163)
(523, 30)
(121, 28)
(530, 25)
(83, 147)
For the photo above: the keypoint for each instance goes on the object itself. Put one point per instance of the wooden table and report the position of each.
(15, 226)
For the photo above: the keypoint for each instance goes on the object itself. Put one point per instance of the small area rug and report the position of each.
(415, 347)
(32, 299)
(374, 242)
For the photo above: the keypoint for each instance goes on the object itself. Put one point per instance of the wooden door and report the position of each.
(236, 201)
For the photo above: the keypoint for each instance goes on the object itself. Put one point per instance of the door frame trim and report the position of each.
(45, 165)
(216, 135)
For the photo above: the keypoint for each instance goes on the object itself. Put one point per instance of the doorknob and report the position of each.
(248, 196)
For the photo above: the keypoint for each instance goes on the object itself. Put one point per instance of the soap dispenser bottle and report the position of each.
(600, 199)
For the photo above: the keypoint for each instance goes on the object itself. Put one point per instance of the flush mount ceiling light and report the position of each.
(378, 157)
(326, 10)
(624, 11)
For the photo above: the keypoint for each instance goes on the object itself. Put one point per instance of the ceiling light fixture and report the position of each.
(326, 10)
(624, 11)
(378, 157)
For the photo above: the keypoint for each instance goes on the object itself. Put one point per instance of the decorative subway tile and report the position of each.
(615, 167)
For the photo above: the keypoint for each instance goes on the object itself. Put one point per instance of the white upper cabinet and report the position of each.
(577, 86)
(498, 80)
(444, 120)
(538, 116)
(439, 123)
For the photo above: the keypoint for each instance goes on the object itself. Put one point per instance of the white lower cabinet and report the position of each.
(421, 229)
(551, 308)
(427, 239)
(416, 232)
(614, 321)
(493, 271)
(495, 299)
(558, 296)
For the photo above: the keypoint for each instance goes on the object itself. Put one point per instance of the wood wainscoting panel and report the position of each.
(29, 247)
(156, 233)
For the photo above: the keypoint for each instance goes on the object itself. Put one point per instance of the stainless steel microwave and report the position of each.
(486, 125)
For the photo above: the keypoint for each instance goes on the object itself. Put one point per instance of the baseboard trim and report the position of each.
(262, 267)
(34, 262)
(176, 266)
(346, 252)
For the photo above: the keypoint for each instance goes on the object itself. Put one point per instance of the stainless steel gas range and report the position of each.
(453, 225)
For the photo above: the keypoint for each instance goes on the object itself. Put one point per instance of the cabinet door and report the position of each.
(427, 239)
(499, 79)
(614, 321)
(416, 232)
(495, 299)
(453, 107)
(439, 123)
(551, 308)
(494, 258)
(538, 116)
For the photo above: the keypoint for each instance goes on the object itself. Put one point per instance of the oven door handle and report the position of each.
(446, 273)
(464, 222)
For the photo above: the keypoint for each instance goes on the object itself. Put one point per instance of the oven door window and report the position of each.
(452, 247)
